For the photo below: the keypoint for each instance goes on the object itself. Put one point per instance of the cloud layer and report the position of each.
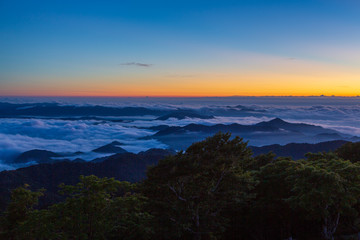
(19, 135)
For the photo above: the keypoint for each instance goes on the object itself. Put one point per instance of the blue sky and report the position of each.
(85, 47)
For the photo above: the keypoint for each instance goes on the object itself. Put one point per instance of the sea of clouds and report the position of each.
(18, 135)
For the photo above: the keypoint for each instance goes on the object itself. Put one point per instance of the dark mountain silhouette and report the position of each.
(72, 112)
(100, 159)
(274, 125)
(298, 150)
(355, 139)
(111, 148)
(78, 160)
(53, 110)
(36, 155)
(158, 128)
(322, 136)
(124, 167)
(295, 127)
(275, 131)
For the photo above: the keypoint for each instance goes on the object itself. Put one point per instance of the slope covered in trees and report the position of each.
(124, 167)
(216, 189)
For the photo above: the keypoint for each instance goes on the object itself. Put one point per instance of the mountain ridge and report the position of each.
(276, 131)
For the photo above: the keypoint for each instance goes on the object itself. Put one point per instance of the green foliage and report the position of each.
(255, 163)
(86, 208)
(189, 191)
(270, 211)
(95, 208)
(22, 202)
(215, 189)
(326, 188)
(130, 220)
(349, 151)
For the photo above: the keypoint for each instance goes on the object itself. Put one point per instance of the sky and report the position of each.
(180, 48)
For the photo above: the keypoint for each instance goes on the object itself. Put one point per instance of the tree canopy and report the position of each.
(216, 189)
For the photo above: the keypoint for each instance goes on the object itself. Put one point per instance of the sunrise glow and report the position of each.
(242, 48)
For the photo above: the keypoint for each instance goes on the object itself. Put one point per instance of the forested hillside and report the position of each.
(216, 189)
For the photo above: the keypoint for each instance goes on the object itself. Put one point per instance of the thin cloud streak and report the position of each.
(137, 64)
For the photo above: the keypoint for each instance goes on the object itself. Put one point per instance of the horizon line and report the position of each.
(185, 96)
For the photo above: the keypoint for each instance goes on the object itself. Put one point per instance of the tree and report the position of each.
(349, 151)
(84, 212)
(95, 208)
(270, 216)
(255, 163)
(326, 187)
(128, 218)
(16, 214)
(190, 191)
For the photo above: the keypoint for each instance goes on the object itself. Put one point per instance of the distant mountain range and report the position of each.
(95, 112)
(275, 125)
(84, 112)
(56, 110)
(49, 110)
(277, 131)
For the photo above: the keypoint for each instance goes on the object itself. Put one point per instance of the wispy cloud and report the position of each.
(137, 64)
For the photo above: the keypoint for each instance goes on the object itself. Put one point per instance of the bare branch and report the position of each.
(176, 193)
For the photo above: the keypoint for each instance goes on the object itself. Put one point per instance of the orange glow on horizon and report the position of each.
(177, 95)
(214, 84)
(232, 74)
(168, 93)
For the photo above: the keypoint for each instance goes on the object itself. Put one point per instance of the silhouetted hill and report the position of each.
(111, 148)
(36, 155)
(125, 167)
(296, 127)
(298, 150)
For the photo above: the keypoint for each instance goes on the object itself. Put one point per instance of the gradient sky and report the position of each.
(180, 48)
